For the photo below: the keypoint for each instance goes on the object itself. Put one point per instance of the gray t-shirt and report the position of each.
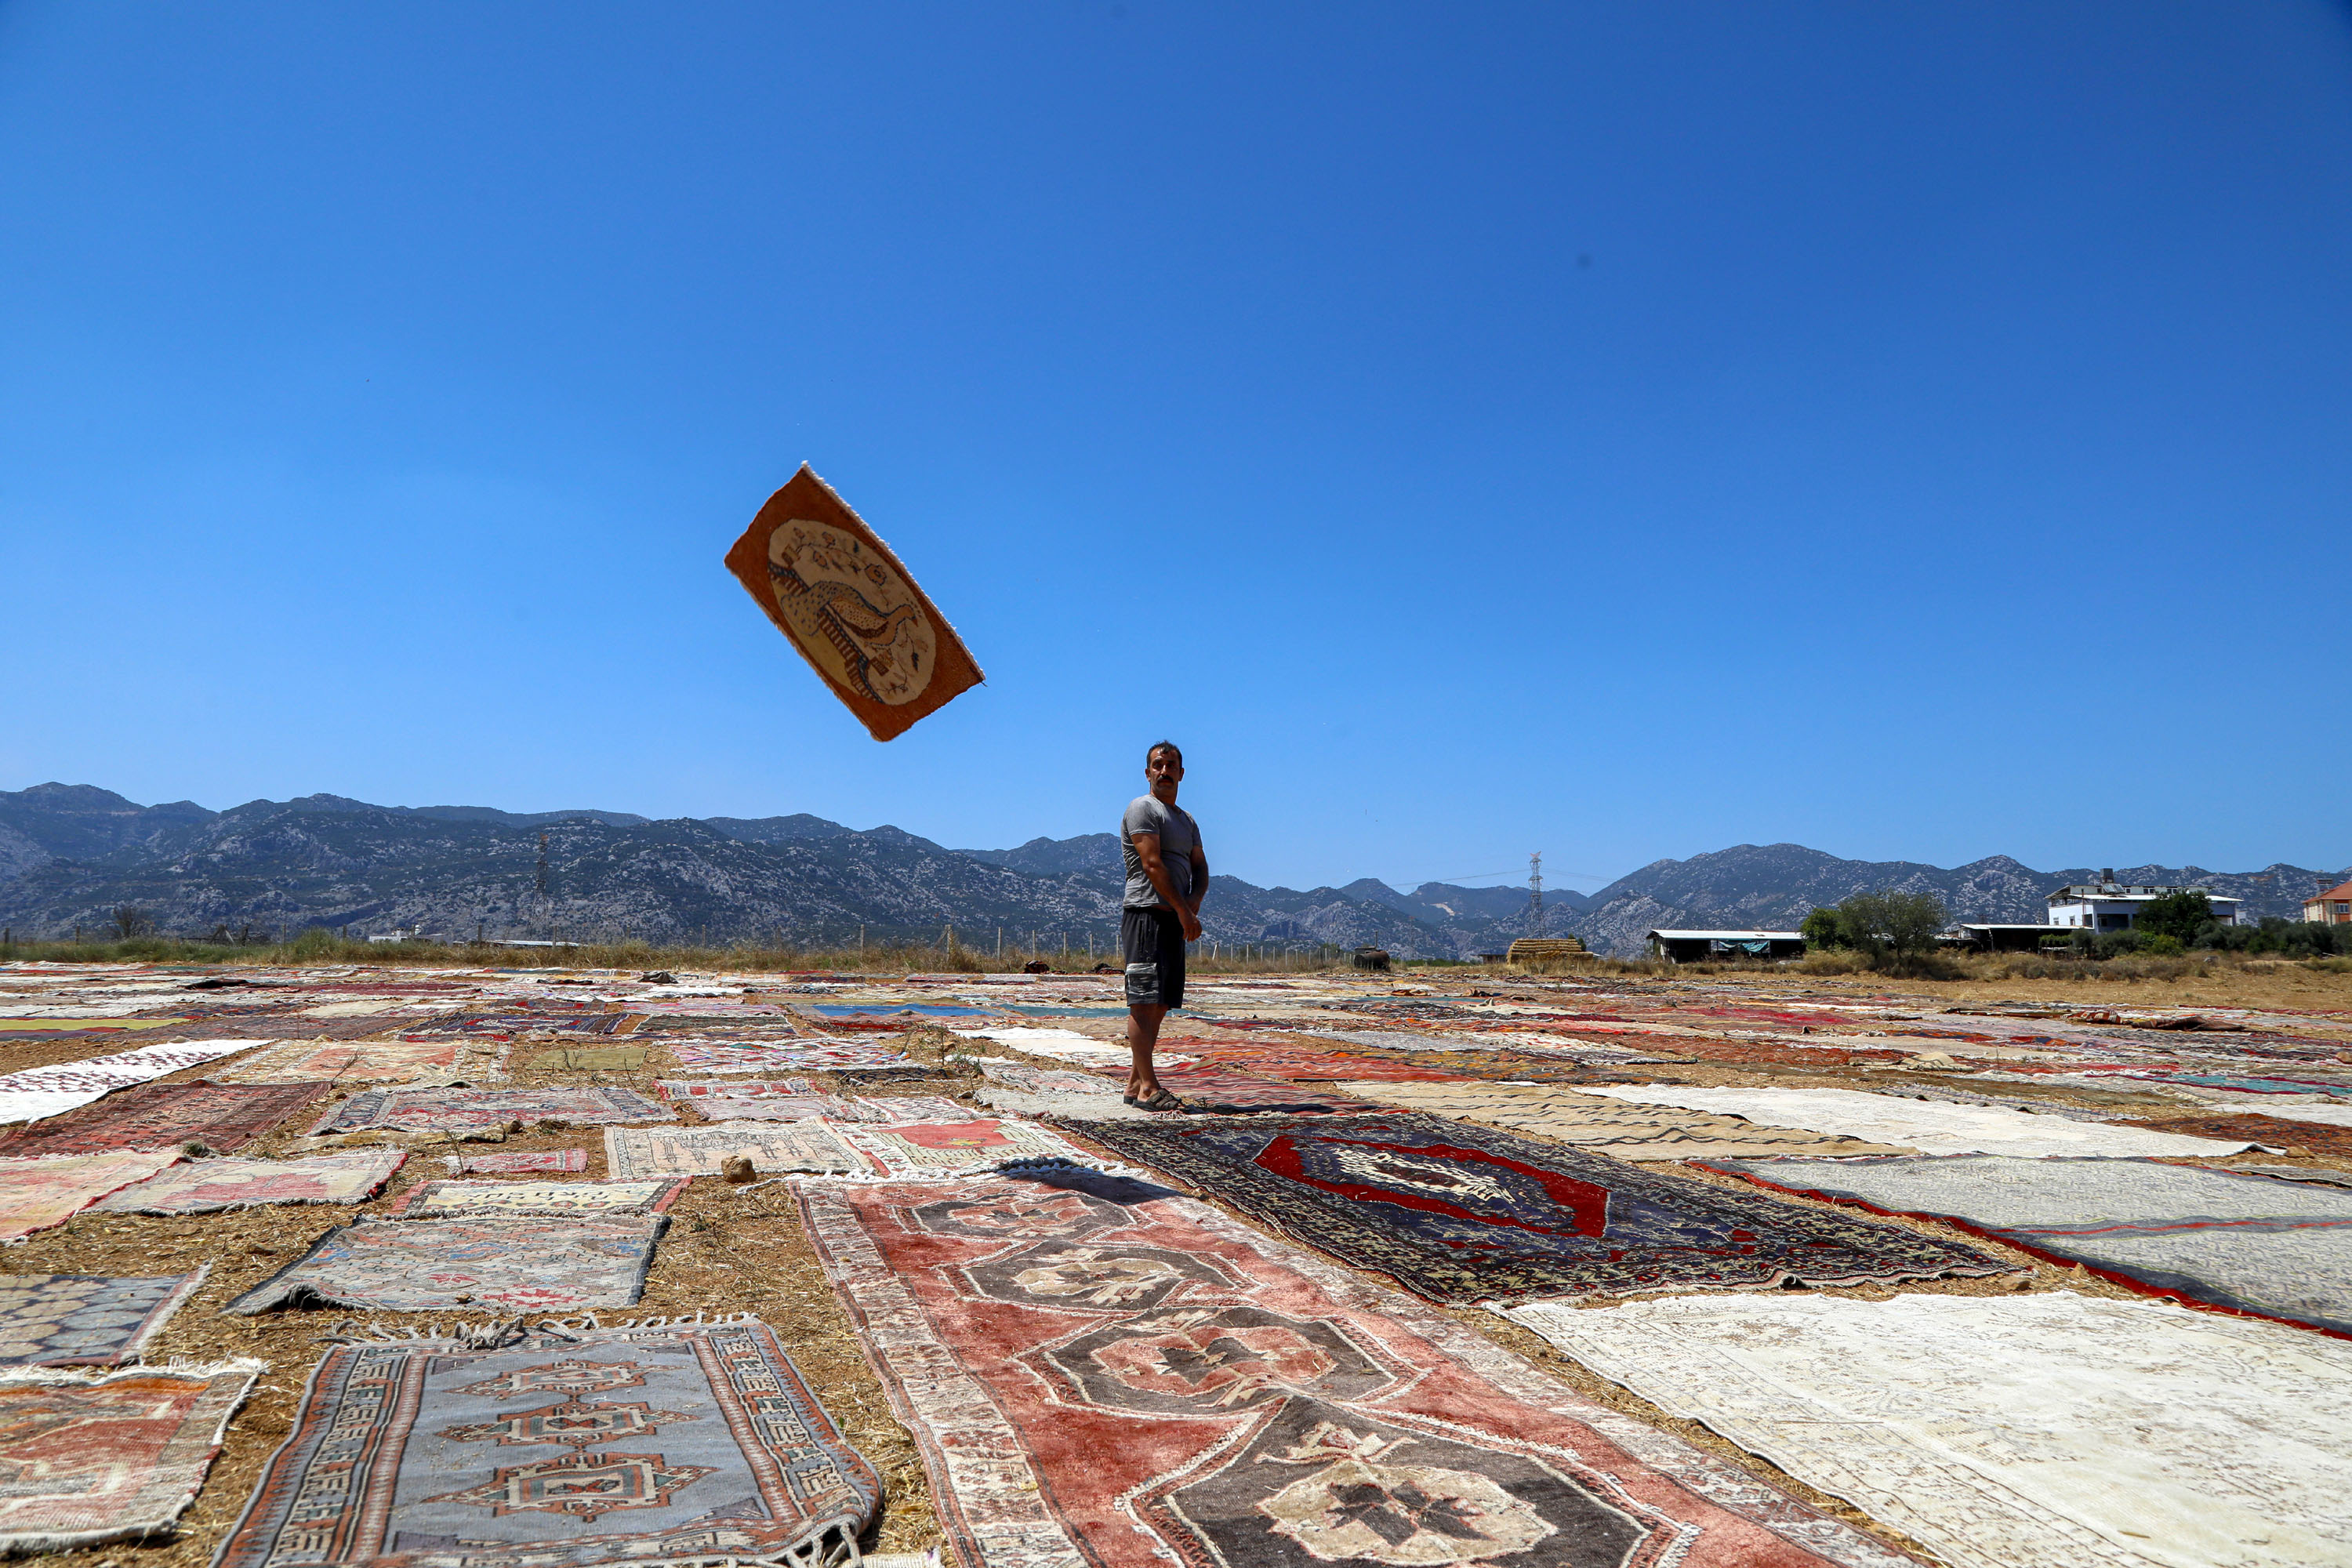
(1178, 836)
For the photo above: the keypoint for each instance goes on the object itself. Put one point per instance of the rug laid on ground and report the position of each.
(812, 1055)
(460, 1109)
(558, 1265)
(2012, 1431)
(38, 1092)
(896, 1108)
(1611, 1126)
(1461, 1213)
(2218, 1238)
(90, 1458)
(945, 1148)
(503, 1164)
(1026, 1079)
(604, 1058)
(2276, 1132)
(1214, 1091)
(1271, 1059)
(37, 1194)
(85, 1320)
(1011, 1102)
(372, 1061)
(755, 1100)
(1934, 1127)
(508, 1026)
(202, 1186)
(812, 1147)
(220, 1116)
(1097, 1372)
(426, 1451)
(530, 1200)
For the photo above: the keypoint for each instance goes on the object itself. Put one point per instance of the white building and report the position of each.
(2108, 905)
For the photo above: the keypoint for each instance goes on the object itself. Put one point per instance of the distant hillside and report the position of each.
(71, 854)
(1773, 887)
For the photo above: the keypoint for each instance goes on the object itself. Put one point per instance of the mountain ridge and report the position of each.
(70, 854)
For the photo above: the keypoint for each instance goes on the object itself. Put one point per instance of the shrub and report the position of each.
(2180, 916)
(1885, 924)
(1820, 930)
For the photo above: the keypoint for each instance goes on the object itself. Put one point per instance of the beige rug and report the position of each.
(2012, 1431)
(1611, 1126)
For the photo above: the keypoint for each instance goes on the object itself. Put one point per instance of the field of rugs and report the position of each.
(553, 1269)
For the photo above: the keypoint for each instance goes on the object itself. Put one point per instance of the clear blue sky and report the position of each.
(1917, 431)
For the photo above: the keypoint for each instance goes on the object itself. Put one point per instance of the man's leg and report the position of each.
(1142, 1035)
(1142, 943)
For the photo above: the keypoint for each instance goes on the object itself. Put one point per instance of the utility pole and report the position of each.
(546, 913)
(1535, 894)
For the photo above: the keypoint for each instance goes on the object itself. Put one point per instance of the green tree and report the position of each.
(2177, 915)
(1820, 930)
(1887, 923)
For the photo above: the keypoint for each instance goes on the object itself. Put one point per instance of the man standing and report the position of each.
(1166, 874)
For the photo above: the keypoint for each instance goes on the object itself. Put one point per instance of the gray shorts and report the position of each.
(1152, 944)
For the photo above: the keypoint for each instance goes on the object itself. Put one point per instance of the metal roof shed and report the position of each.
(1689, 946)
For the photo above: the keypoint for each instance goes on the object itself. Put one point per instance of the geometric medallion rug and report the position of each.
(2218, 1238)
(1932, 1127)
(91, 1458)
(1461, 1213)
(202, 1186)
(525, 1200)
(1100, 1372)
(37, 1194)
(684, 1444)
(36, 1092)
(459, 1109)
(1611, 1126)
(776, 1148)
(2012, 1431)
(220, 1116)
(84, 1320)
(569, 1265)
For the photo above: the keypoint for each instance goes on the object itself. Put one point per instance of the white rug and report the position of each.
(2013, 1431)
(1931, 1126)
(38, 1092)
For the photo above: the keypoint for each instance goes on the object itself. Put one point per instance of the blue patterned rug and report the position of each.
(685, 1443)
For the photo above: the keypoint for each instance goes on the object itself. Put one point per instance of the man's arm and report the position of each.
(1199, 875)
(1146, 850)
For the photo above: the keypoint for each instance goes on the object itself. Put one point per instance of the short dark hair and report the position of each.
(1156, 747)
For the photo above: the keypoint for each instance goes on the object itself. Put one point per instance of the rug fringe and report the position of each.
(60, 1376)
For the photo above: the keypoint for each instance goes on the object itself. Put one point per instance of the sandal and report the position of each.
(1159, 1100)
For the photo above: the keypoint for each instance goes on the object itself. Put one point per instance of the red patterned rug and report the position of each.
(1100, 1372)
(220, 1116)
(1463, 1213)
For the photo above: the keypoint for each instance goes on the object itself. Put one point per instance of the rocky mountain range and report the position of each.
(71, 854)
